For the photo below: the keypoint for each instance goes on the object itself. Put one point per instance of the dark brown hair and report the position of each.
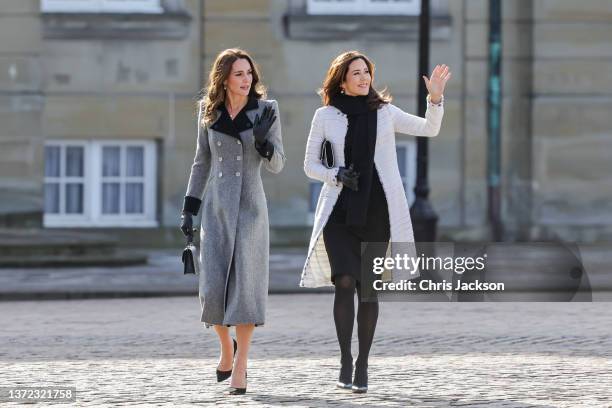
(214, 94)
(336, 74)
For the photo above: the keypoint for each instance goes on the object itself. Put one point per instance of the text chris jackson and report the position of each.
(458, 265)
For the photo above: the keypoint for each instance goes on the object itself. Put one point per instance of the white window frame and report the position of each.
(311, 211)
(364, 7)
(409, 179)
(70, 218)
(101, 6)
(92, 206)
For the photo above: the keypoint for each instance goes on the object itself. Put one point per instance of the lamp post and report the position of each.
(494, 94)
(424, 218)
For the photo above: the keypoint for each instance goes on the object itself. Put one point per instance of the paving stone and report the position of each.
(154, 351)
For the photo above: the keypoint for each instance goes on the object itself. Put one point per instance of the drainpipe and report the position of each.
(494, 101)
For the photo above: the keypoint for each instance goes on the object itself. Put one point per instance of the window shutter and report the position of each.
(364, 7)
(131, 6)
(101, 6)
(70, 6)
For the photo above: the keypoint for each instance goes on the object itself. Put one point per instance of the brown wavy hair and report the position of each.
(213, 95)
(337, 73)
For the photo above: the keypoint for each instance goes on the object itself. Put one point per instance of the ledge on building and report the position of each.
(303, 26)
(169, 25)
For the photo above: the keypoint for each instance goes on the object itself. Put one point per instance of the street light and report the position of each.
(424, 218)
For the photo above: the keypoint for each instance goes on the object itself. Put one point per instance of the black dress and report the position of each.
(342, 241)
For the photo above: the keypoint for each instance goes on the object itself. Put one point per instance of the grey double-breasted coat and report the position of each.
(234, 236)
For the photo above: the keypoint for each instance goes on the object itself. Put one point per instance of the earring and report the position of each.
(341, 90)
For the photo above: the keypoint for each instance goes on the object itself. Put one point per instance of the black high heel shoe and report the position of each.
(346, 373)
(238, 390)
(360, 382)
(224, 375)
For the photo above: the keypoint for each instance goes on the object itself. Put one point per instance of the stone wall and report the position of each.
(21, 106)
(137, 76)
(572, 126)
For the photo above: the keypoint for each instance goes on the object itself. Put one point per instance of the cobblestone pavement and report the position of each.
(154, 351)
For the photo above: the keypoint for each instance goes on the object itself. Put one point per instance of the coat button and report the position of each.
(220, 158)
(218, 143)
(237, 174)
(238, 158)
(220, 174)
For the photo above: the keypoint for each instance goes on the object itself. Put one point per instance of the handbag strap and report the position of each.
(189, 237)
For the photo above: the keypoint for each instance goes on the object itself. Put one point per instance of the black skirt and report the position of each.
(343, 242)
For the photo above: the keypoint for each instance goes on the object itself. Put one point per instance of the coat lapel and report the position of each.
(252, 111)
(243, 121)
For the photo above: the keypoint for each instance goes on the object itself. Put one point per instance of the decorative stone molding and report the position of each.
(140, 26)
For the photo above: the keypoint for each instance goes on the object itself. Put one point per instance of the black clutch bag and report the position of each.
(327, 154)
(191, 257)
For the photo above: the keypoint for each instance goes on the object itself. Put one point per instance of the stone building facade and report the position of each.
(97, 106)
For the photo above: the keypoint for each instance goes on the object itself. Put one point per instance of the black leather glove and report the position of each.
(349, 177)
(187, 224)
(262, 125)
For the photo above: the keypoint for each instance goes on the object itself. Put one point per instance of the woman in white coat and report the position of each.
(363, 198)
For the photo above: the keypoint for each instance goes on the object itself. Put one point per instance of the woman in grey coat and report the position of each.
(238, 133)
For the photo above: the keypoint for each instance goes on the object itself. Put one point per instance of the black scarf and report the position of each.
(359, 146)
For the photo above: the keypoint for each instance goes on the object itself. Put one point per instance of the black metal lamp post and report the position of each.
(424, 218)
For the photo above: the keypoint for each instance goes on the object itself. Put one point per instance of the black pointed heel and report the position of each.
(346, 372)
(238, 390)
(224, 375)
(360, 382)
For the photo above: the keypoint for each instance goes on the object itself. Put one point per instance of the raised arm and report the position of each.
(407, 123)
(272, 150)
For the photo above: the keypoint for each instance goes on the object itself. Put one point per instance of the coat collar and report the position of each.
(241, 122)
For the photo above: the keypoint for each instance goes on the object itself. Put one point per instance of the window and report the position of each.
(369, 7)
(101, 6)
(109, 183)
(64, 179)
(314, 190)
(406, 162)
(122, 179)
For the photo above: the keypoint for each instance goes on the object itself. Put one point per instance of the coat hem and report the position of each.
(208, 325)
(315, 285)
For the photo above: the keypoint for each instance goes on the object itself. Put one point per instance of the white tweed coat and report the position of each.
(331, 124)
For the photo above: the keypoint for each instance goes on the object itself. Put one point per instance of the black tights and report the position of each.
(344, 315)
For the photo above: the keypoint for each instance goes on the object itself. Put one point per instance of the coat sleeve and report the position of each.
(312, 164)
(200, 169)
(407, 123)
(275, 160)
